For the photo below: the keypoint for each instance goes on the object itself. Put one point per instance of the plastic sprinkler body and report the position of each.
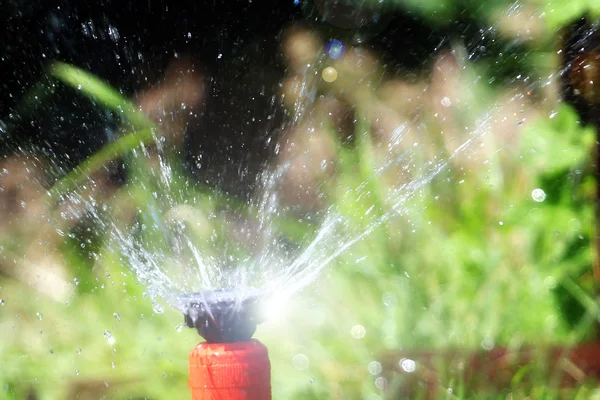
(230, 371)
(230, 365)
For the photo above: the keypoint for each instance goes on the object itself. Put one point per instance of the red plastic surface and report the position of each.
(230, 371)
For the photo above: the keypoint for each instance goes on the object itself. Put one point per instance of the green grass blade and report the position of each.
(94, 163)
(100, 92)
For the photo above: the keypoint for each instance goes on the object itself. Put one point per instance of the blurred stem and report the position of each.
(364, 146)
(101, 92)
(95, 162)
(366, 162)
(590, 305)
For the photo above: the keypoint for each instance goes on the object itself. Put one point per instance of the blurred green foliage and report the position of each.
(473, 260)
(554, 14)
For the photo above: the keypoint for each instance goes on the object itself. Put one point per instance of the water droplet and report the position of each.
(446, 102)
(358, 331)
(408, 365)
(78, 351)
(158, 308)
(335, 49)
(113, 33)
(1, 302)
(109, 337)
(76, 372)
(39, 315)
(300, 362)
(117, 316)
(180, 327)
(374, 368)
(381, 383)
(389, 299)
(487, 343)
(112, 364)
(538, 195)
(76, 280)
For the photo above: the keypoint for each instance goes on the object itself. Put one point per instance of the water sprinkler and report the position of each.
(222, 316)
(230, 365)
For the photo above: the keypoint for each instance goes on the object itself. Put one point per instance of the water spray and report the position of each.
(229, 365)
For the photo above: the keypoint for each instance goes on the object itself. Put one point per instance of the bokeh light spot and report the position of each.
(335, 49)
(329, 74)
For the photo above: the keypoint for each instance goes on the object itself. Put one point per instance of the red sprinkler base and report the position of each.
(230, 371)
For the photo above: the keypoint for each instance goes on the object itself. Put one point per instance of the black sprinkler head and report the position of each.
(222, 316)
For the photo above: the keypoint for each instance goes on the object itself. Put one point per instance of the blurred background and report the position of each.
(492, 254)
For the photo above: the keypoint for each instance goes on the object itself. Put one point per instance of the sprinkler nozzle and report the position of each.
(222, 316)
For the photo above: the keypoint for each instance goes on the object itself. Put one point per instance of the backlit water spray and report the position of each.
(226, 265)
(175, 248)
